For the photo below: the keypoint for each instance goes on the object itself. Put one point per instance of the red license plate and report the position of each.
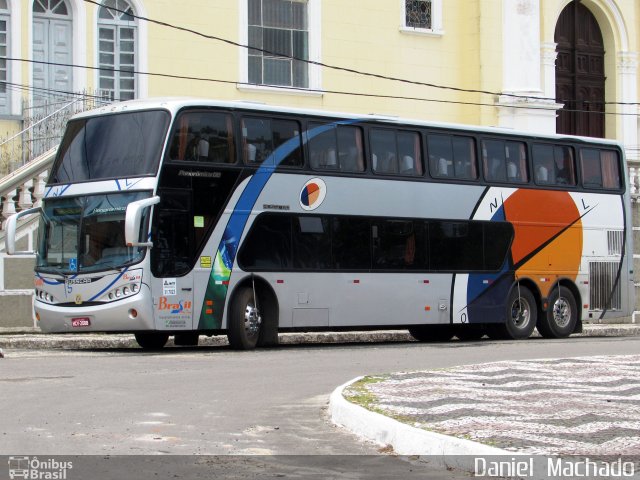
(80, 322)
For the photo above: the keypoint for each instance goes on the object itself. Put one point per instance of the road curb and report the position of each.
(443, 450)
(33, 338)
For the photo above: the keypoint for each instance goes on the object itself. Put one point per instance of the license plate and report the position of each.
(80, 322)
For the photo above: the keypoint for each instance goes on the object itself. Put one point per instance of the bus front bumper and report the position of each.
(127, 315)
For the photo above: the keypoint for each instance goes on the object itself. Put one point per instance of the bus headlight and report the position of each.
(44, 296)
(121, 292)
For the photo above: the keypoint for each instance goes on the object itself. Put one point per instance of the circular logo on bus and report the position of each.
(312, 194)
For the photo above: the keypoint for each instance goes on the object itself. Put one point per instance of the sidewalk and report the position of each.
(587, 407)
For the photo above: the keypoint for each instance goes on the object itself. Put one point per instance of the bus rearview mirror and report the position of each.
(11, 228)
(132, 221)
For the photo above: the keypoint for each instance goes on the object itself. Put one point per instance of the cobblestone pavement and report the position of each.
(577, 406)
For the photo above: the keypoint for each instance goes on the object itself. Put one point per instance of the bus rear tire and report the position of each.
(245, 321)
(521, 316)
(152, 340)
(561, 316)
(432, 333)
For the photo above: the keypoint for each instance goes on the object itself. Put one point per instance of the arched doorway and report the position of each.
(580, 72)
(52, 43)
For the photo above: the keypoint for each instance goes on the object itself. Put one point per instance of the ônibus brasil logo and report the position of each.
(36, 469)
(312, 194)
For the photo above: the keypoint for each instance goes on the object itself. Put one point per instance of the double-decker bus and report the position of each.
(184, 217)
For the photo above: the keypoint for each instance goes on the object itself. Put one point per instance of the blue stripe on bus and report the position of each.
(109, 286)
(57, 194)
(49, 282)
(228, 247)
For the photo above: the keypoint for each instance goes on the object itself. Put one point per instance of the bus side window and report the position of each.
(384, 151)
(409, 154)
(311, 243)
(611, 177)
(464, 155)
(590, 165)
(350, 151)
(440, 156)
(336, 147)
(274, 141)
(564, 166)
(452, 157)
(517, 170)
(268, 244)
(493, 161)
(203, 137)
(600, 168)
(257, 143)
(400, 244)
(504, 161)
(543, 164)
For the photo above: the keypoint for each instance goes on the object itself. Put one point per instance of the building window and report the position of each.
(4, 51)
(117, 33)
(422, 17)
(279, 31)
(418, 14)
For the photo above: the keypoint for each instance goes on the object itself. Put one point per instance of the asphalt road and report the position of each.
(214, 401)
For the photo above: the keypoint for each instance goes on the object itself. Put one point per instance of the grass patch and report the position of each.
(359, 393)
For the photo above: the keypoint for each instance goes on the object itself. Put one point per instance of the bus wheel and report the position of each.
(521, 316)
(245, 321)
(152, 340)
(431, 333)
(562, 315)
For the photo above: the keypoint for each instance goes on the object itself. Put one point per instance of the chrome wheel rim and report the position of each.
(520, 313)
(252, 320)
(561, 312)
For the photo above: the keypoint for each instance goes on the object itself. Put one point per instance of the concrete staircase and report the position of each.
(25, 160)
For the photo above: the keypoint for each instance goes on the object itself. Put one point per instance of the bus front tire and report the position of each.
(152, 340)
(561, 316)
(521, 316)
(245, 321)
(432, 333)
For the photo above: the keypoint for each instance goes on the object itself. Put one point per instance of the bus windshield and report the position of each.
(86, 234)
(111, 146)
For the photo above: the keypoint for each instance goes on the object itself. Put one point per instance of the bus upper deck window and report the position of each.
(335, 147)
(600, 168)
(271, 141)
(452, 156)
(553, 165)
(203, 137)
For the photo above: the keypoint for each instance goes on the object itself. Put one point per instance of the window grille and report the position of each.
(418, 14)
(605, 293)
(614, 242)
(278, 33)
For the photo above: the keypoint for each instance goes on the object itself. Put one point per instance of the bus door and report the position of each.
(171, 259)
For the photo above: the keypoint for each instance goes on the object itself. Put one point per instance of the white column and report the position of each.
(521, 46)
(627, 68)
(549, 55)
(531, 109)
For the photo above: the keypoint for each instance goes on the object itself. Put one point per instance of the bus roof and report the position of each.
(174, 104)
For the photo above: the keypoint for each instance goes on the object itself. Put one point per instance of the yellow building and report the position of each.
(510, 63)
